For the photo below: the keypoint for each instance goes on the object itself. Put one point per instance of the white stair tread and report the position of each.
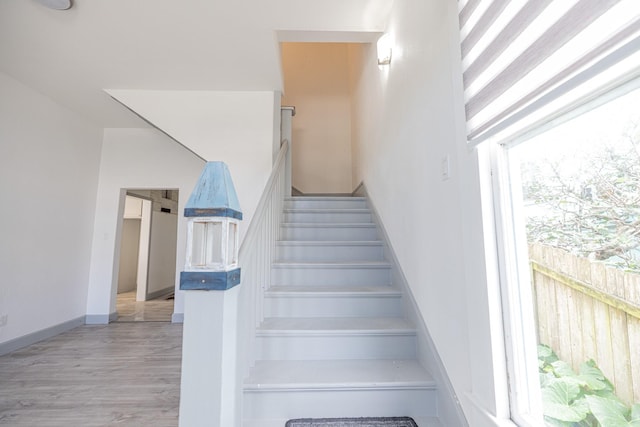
(329, 243)
(356, 325)
(420, 421)
(341, 264)
(329, 224)
(329, 198)
(339, 291)
(327, 374)
(326, 210)
(261, 422)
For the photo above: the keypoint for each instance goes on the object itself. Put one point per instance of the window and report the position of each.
(569, 221)
(528, 67)
(207, 245)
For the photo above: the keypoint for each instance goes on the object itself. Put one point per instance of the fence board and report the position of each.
(588, 333)
(620, 339)
(564, 322)
(633, 326)
(632, 292)
(561, 295)
(542, 300)
(632, 288)
(588, 311)
(604, 348)
(554, 321)
(574, 307)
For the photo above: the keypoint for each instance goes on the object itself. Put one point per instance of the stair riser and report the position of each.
(334, 404)
(388, 306)
(328, 233)
(340, 217)
(325, 204)
(324, 253)
(331, 276)
(343, 347)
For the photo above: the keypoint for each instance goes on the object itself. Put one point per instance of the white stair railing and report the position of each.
(255, 258)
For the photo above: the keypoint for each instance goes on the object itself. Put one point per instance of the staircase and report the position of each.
(334, 341)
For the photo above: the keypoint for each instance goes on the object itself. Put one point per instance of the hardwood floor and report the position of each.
(130, 310)
(121, 374)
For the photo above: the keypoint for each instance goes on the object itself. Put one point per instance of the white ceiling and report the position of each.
(73, 55)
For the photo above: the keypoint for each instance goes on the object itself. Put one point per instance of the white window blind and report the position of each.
(526, 62)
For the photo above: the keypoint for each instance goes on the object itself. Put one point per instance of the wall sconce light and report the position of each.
(384, 50)
(213, 215)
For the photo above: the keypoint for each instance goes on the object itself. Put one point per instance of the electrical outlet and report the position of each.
(3, 320)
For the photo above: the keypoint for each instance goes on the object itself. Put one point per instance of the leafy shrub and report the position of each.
(584, 399)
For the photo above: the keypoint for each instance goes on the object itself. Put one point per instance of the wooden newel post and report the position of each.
(208, 384)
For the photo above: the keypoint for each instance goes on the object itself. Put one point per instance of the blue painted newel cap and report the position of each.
(214, 194)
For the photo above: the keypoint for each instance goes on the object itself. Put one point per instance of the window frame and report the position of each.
(227, 245)
(518, 326)
(512, 260)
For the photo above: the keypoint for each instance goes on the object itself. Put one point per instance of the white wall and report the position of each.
(162, 253)
(134, 158)
(49, 161)
(234, 127)
(130, 245)
(129, 248)
(316, 80)
(406, 119)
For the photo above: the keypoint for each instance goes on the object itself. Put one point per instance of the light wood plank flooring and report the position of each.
(122, 374)
(130, 310)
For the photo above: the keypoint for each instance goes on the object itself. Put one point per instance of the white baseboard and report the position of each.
(481, 416)
(43, 334)
(100, 319)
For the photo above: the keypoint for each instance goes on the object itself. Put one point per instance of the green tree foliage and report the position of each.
(588, 202)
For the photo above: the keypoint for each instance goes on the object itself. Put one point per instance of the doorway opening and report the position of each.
(146, 276)
(318, 80)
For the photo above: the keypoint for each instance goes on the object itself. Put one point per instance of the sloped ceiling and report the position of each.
(73, 56)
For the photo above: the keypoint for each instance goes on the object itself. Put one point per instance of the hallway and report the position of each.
(125, 374)
(156, 310)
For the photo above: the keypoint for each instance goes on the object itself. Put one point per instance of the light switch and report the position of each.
(445, 168)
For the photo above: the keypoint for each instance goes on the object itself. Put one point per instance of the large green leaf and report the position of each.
(593, 377)
(552, 422)
(546, 354)
(546, 378)
(562, 401)
(613, 413)
(562, 369)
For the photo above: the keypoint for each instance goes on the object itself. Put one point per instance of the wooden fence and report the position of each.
(586, 310)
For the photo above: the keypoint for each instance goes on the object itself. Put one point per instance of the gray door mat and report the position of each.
(352, 422)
